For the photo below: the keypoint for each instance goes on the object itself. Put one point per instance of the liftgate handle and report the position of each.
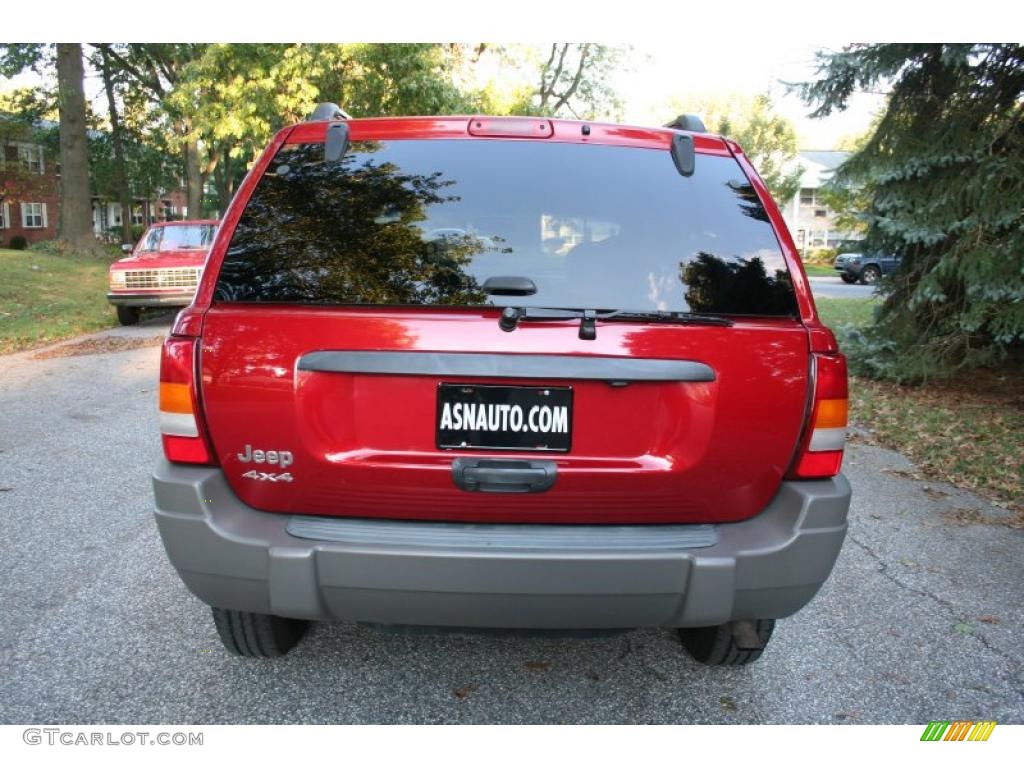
(504, 475)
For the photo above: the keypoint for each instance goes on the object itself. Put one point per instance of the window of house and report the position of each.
(808, 196)
(5, 215)
(820, 213)
(137, 214)
(31, 157)
(33, 215)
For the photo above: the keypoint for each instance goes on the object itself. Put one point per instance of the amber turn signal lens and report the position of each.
(175, 398)
(831, 414)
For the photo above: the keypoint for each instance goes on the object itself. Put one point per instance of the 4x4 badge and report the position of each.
(283, 477)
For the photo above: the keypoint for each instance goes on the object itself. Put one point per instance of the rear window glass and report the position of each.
(428, 222)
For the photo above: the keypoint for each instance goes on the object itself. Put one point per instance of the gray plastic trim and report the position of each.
(510, 576)
(531, 538)
(579, 367)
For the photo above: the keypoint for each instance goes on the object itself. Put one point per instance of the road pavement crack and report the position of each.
(955, 613)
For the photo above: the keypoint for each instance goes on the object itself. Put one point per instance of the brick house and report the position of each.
(29, 192)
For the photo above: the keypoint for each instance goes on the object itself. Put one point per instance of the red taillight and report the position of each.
(181, 421)
(821, 448)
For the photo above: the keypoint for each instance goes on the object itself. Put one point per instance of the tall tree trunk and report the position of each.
(193, 178)
(120, 169)
(224, 179)
(75, 203)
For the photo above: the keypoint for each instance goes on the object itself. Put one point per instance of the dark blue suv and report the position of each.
(865, 268)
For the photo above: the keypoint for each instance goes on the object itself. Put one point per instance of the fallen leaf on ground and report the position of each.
(537, 666)
(100, 346)
(901, 473)
(464, 691)
(964, 516)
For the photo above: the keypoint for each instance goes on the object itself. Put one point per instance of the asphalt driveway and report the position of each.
(920, 621)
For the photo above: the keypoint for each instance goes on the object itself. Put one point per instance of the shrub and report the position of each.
(821, 256)
(46, 246)
(18, 243)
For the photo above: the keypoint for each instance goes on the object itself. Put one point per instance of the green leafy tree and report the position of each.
(493, 78)
(390, 79)
(559, 80)
(574, 81)
(152, 73)
(945, 171)
(768, 139)
(238, 95)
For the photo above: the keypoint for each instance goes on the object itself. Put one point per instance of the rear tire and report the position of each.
(257, 634)
(870, 275)
(128, 315)
(718, 646)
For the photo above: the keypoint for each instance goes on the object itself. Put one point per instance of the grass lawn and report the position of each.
(46, 297)
(819, 270)
(966, 431)
(836, 313)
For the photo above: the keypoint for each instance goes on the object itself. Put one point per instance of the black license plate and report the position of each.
(504, 418)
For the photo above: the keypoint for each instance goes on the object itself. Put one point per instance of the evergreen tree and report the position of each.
(945, 170)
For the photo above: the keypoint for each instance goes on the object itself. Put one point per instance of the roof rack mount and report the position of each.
(688, 122)
(328, 111)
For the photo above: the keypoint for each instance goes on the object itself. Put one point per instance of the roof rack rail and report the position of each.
(328, 111)
(688, 123)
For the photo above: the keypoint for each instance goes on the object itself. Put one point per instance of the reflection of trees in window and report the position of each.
(750, 203)
(345, 232)
(736, 286)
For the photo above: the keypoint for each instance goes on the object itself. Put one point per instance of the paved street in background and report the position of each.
(920, 621)
(835, 288)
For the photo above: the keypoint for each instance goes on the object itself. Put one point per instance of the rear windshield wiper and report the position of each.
(665, 316)
(512, 316)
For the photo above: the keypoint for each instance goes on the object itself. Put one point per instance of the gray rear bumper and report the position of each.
(474, 575)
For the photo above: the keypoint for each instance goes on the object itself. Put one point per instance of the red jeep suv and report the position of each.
(502, 373)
